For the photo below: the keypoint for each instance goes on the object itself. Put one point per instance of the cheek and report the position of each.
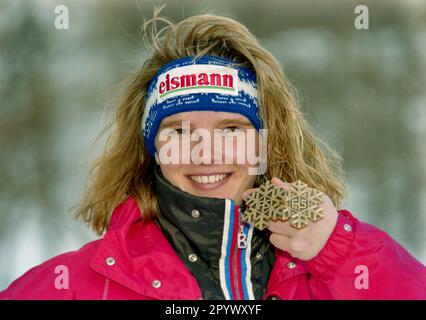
(244, 180)
(167, 151)
(246, 150)
(241, 183)
(173, 174)
(235, 150)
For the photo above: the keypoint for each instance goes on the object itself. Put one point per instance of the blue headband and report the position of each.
(209, 83)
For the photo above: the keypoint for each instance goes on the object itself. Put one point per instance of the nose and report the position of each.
(202, 146)
(210, 146)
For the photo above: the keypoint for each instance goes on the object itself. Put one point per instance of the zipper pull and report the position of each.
(242, 241)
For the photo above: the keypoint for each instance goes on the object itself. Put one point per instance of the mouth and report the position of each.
(209, 181)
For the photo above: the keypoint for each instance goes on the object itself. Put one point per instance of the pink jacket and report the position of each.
(135, 261)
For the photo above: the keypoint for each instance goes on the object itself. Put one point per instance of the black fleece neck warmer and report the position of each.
(203, 232)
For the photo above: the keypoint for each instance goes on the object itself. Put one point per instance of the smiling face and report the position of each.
(227, 179)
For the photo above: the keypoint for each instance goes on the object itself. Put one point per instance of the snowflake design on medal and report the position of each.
(298, 204)
(303, 203)
(265, 204)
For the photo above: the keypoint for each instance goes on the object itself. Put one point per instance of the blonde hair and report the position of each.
(126, 169)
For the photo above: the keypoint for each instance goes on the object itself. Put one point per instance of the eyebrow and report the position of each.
(173, 123)
(235, 121)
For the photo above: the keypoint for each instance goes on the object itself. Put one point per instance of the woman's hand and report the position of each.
(303, 244)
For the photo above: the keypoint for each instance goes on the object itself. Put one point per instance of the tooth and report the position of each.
(208, 179)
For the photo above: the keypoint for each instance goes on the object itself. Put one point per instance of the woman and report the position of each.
(173, 228)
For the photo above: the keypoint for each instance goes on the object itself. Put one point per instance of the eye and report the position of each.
(181, 131)
(231, 129)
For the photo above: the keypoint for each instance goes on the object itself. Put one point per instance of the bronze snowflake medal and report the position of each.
(298, 204)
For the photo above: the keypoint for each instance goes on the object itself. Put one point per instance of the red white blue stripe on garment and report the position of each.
(234, 264)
